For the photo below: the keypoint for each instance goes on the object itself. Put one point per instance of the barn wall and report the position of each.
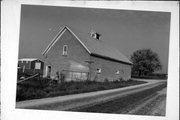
(76, 52)
(109, 69)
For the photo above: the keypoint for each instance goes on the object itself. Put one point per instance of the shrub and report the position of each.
(116, 81)
(106, 80)
(121, 79)
(95, 78)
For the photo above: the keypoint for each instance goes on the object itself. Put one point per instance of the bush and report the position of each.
(106, 80)
(95, 78)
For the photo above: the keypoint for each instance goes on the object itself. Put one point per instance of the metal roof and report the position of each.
(93, 46)
(28, 59)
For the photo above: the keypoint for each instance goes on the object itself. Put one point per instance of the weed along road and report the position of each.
(128, 100)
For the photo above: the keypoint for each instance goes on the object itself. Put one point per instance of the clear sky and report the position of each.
(127, 30)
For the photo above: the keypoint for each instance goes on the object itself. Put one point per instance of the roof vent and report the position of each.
(95, 35)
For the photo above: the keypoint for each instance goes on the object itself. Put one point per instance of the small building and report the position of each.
(82, 55)
(30, 66)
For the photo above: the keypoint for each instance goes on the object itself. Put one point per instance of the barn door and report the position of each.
(48, 71)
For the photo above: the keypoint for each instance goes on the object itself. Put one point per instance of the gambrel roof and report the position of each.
(93, 47)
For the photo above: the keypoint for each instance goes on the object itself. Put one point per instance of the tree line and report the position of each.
(145, 62)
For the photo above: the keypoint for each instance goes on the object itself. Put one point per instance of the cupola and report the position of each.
(95, 35)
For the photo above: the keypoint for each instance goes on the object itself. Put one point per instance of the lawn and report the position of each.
(36, 89)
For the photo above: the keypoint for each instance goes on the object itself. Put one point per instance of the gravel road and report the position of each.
(156, 106)
(148, 102)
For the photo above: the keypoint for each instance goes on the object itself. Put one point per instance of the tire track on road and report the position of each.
(121, 103)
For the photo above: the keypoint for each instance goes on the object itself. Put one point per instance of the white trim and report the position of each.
(27, 59)
(56, 39)
(79, 40)
(30, 59)
(46, 71)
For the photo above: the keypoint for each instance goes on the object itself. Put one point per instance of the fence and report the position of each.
(33, 76)
(30, 71)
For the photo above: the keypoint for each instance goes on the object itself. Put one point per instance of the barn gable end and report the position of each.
(57, 37)
(75, 58)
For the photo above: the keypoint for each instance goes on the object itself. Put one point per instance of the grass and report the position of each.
(35, 89)
(151, 77)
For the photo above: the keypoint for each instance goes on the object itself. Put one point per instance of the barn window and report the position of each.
(99, 70)
(65, 48)
(98, 36)
(37, 65)
(95, 35)
(117, 72)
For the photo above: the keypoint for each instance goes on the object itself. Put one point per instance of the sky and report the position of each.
(127, 30)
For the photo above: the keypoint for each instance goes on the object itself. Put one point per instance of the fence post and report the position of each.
(23, 69)
(57, 75)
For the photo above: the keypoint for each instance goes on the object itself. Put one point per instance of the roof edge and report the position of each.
(112, 59)
(54, 39)
(31, 58)
(59, 34)
(79, 40)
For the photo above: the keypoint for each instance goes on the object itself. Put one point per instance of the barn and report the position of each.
(30, 66)
(82, 55)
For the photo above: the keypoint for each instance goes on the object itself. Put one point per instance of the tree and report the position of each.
(145, 61)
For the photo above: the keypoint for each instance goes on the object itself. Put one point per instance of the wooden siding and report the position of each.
(109, 69)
